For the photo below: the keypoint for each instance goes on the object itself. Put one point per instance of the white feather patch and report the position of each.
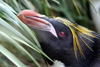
(58, 64)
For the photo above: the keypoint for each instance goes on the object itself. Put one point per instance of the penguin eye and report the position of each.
(62, 33)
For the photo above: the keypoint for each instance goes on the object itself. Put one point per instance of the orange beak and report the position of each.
(34, 19)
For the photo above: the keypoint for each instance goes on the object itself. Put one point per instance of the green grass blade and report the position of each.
(25, 4)
(76, 7)
(15, 2)
(65, 10)
(16, 32)
(20, 35)
(93, 6)
(6, 25)
(56, 1)
(1, 2)
(45, 8)
(21, 25)
(23, 42)
(3, 62)
(19, 47)
(11, 57)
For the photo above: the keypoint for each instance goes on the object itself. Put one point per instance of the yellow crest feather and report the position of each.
(81, 30)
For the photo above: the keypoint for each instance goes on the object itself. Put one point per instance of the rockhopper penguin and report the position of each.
(66, 43)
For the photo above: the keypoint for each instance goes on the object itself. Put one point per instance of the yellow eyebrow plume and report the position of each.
(76, 31)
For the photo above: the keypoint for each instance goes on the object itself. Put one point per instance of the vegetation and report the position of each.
(16, 38)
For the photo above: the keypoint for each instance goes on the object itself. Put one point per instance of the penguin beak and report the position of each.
(34, 19)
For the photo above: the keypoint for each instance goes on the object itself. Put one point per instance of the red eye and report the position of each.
(62, 33)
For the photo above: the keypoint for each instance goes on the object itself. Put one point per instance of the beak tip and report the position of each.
(53, 31)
